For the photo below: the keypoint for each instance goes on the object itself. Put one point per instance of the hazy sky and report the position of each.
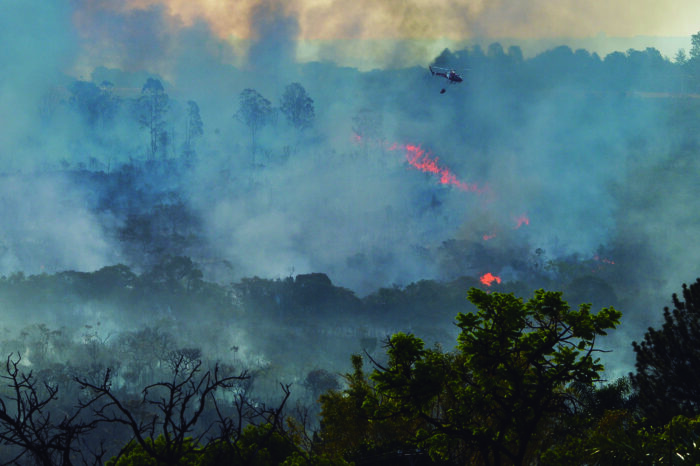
(331, 29)
(454, 19)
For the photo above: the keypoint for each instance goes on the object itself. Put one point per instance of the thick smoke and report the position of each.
(33, 59)
(375, 33)
(47, 227)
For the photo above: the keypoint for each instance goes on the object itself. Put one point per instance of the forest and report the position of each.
(214, 266)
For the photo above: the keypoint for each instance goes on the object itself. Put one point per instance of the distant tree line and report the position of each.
(634, 70)
(175, 129)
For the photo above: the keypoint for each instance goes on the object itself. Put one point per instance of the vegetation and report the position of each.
(665, 377)
(523, 385)
(497, 399)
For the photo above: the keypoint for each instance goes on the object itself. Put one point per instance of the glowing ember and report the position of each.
(420, 159)
(489, 278)
(521, 220)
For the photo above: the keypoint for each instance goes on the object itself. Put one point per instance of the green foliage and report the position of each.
(677, 443)
(345, 427)
(350, 431)
(619, 438)
(260, 445)
(257, 446)
(495, 399)
(667, 375)
(135, 455)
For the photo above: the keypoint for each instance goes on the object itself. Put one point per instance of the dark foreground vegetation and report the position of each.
(522, 386)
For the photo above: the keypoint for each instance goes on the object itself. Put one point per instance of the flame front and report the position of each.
(421, 159)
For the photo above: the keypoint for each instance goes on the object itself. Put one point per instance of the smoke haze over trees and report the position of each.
(575, 159)
(166, 190)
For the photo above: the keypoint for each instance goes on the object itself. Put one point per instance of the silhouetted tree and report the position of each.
(446, 59)
(680, 58)
(515, 53)
(194, 128)
(97, 105)
(27, 424)
(174, 408)
(667, 376)
(152, 107)
(695, 46)
(297, 106)
(319, 381)
(495, 51)
(174, 274)
(255, 111)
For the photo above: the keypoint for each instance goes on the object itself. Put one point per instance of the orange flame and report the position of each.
(488, 279)
(420, 159)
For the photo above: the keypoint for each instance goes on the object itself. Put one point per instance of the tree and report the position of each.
(319, 381)
(515, 53)
(667, 375)
(495, 399)
(297, 106)
(680, 58)
(175, 275)
(692, 64)
(194, 128)
(603, 430)
(619, 437)
(152, 107)
(174, 409)
(349, 432)
(97, 105)
(446, 59)
(26, 421)
(695, 46)
(495, 51)
(255, 111)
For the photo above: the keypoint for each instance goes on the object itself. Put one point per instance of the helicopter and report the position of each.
(451, 75)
